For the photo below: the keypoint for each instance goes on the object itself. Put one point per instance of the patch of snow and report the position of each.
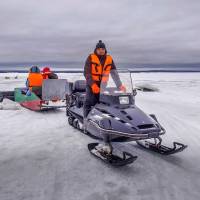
(7, 104)
(43, 158)
(145, 87)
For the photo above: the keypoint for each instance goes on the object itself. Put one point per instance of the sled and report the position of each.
(51, 95)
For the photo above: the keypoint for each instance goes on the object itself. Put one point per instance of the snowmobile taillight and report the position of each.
(153, 135)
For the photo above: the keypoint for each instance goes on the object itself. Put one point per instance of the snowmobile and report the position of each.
(116, 118)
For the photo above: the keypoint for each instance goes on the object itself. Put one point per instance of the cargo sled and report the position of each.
(50, 96)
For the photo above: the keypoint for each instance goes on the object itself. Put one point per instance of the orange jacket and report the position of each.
(35, 80)
(99, 72)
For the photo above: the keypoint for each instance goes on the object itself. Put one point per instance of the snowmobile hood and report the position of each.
(129, 114)
(130, 120)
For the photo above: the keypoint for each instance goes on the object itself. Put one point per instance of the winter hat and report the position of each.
(34, 69)
(46, 70)
(100, 44)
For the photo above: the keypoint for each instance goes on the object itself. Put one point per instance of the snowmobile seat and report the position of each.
(79, 86)
(80, 99)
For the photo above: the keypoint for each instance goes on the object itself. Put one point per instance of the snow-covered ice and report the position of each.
(43, 158)
(7, 104)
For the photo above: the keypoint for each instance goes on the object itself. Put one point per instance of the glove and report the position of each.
(95, 88)
(28, 93)
(122, 88)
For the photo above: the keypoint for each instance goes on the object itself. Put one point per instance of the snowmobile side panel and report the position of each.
(134, 136)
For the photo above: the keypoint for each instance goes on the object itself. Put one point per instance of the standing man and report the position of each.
(98, 66)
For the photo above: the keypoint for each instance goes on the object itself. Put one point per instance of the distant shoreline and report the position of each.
(132, 71)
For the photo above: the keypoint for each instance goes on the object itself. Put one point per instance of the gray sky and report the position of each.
(135, 31)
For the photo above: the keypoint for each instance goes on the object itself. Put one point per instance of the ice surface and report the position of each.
(7, 104)
(146, 87)
(43, 158)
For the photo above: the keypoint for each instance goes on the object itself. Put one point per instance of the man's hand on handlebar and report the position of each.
(122, 88)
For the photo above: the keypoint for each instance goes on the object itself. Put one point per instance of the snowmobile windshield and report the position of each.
(116, 83)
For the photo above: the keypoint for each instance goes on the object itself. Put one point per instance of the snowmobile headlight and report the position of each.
(124, 100)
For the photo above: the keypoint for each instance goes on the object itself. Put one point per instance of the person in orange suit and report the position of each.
(97, 69)
(48, 74)
(34, 81)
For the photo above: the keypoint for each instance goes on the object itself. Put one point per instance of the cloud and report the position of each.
(135, 31)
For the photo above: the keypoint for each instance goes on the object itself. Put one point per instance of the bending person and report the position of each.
(48, 74)
(34, 81)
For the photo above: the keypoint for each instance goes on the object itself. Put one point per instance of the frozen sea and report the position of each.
(43, 158)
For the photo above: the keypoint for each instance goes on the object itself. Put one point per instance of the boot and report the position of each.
(85, 125)
(105, 148)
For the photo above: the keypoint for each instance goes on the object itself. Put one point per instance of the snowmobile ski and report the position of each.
(162, 149)
(112, 159)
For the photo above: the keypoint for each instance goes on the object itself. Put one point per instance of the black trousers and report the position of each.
(91, 100)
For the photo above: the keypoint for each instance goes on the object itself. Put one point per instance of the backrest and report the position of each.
(79, 86)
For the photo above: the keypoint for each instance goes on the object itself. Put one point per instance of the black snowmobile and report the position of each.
(116, 118)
